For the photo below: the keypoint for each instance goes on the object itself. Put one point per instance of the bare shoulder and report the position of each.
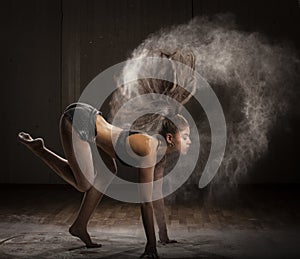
(143, 144)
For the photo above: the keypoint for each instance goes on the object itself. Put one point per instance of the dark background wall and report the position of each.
(53, 48)
(31, 92)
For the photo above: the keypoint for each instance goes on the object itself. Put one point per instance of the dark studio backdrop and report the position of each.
(53, 48)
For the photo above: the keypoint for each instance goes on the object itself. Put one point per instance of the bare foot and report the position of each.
(33, 144)
(84, 236)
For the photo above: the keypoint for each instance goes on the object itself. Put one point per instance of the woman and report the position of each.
(91, 127)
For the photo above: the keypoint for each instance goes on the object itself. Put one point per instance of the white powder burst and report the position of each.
(253, 78)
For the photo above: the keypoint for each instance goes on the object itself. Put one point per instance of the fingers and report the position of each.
(172, 241)
(93, 245)
(165, 242)
(150, 252)
(152, 255)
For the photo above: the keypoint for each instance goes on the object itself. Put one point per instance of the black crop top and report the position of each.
(121, 148)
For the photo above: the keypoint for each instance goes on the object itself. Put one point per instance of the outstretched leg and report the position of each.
(70, 170)
(63, 169)
(55, 162)
(77, 170)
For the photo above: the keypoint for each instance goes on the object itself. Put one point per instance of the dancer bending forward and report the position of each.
(79, 170)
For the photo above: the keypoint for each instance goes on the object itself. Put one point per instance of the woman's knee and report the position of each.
(112, 167)
(65, 125)
(84, 186)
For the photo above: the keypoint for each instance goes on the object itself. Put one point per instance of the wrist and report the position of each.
(163, 231)
(163, 236)
(150, 247)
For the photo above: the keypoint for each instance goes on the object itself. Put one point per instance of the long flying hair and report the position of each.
(180, 89)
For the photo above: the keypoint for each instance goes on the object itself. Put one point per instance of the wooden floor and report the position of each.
(269, 214)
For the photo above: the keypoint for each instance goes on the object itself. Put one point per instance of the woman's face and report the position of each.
(183, 140)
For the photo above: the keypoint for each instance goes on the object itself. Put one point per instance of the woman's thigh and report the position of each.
(102, 159)
(78, 153)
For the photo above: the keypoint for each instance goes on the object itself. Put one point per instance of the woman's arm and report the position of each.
(147, 148)
(159, 206)
(146, 176)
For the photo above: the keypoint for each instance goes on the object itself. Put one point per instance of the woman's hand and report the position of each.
(150, 252)
(164, 239)
(146, 176)
(167, 241)
(150, 255)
